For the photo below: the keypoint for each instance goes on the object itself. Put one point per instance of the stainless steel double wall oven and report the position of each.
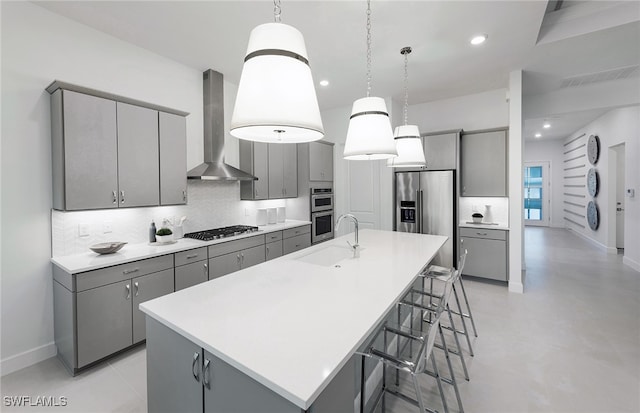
(322, 218)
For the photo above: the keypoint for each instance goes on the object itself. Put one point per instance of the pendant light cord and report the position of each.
(405, 51)
(277, 11)
(368, 48)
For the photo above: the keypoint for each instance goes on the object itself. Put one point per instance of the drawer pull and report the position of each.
(297, 245)
(481, 233)
(125, 272)
(192, 256)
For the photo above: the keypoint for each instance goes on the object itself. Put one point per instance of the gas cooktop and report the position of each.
(224, 232)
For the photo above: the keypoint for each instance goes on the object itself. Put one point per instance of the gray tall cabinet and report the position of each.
(276, 167)
(109, 151)
(483, 163)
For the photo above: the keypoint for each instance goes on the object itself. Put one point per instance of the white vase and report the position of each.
(488, 217)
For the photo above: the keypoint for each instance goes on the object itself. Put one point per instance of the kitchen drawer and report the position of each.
(187, 257)
(104, 276)
(273, 250)
(296, 243)
(483, 233)
(292, 232)
(233, 246)
(273, 236)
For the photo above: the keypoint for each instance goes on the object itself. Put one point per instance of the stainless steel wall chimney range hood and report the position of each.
(214, 168)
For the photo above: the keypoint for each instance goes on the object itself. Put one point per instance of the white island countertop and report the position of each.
(90, 260)
(292, 324)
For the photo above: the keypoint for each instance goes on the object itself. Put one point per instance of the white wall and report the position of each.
(615, 127)
(472, 112)
(38, 47)
(550, 151)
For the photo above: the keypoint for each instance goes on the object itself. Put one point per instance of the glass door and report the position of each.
(536, 193)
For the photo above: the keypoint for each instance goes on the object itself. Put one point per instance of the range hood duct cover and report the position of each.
(214, 168)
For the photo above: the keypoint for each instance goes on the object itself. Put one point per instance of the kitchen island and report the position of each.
(279, 336)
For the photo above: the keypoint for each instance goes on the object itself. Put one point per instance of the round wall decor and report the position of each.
(593, 217)
(593, 182)
(593, 149)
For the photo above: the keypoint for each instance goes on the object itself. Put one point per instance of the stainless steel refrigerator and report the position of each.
(426, 203)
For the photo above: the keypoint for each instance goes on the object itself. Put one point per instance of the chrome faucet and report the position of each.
(354, 247)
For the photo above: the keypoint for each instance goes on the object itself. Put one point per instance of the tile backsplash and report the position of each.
(499, 208)
(211, 205)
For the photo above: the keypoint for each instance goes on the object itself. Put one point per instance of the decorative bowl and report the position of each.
(163, 239)
(107, 247)
(476, 220)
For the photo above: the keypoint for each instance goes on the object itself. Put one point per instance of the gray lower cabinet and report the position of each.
(296, 243)
(236, 261)
(104, 321)
(273, 250)
(183, 377)
(483, 163)
(147, 288)
(96, 312)
(487, 255)
(192, 268)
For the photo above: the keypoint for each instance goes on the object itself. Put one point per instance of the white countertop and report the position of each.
(500, 226)
(133, 252)
(290, 324)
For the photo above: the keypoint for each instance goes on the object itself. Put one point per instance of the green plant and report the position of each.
(164, 231)
(477, 215)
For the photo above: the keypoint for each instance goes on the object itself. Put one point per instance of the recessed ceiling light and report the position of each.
(324, 83)
(479, 39)
(537, 135)
(546, 125)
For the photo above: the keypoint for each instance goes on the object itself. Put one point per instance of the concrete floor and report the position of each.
(571, 343)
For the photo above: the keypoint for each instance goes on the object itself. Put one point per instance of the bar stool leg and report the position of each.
(458, 350)
(453, 376)
(416, 386)
(438, 378)
(464, 331)
(469, 315)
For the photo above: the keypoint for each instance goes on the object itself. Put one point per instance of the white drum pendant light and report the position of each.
(276, 100)
(369, 136)
(407, 137)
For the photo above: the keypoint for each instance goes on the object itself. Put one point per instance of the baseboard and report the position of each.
(516, 287)
(631, 263)
(27, 358)
(594, 242)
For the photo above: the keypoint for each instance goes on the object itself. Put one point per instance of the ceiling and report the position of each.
(528, 35)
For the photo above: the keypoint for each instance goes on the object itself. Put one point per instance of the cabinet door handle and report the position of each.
(242, 255)
(125, 272)
(192, 256)
(194, 367)
(205, 269)
(238, 258)
(115, 197)
(136, 288)
(128, 287)
(267, 250)
(184, 196)
(206, 374)
(122, 197)
(256, 191)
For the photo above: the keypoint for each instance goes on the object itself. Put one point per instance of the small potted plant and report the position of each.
(477, 218)
(164, 235)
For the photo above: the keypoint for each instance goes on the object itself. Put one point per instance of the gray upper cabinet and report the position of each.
(173, 158)
(108, 150)
(483, 163)
(320, 161)
(84, 150)
(138, 163)
(254, 159)
(283, 170)
(441, 151)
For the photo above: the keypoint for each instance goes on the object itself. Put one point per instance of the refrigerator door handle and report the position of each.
(419, 211)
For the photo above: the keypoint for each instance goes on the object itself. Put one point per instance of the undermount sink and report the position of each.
(328, 256)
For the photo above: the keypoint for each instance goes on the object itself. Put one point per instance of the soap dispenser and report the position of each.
(152, 232)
